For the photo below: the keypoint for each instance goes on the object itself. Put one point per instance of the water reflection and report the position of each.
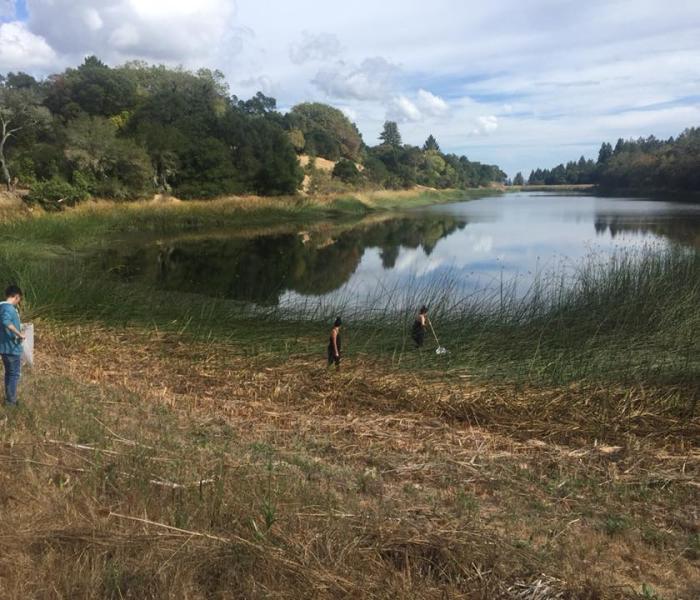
(474, 245)
(262, 269)
(684, 231)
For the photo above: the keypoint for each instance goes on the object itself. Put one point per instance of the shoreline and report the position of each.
(690, 197)
(349, 204)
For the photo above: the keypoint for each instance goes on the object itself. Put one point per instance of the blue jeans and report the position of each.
(12, 364)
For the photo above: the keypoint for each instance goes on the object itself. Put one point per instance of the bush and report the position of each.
(321, 143)
(57, 193)
(322, 182)
(346, 171)
(375, 170)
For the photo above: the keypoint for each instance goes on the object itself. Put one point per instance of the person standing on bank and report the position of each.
(419, 327)
(11, 338)
(334, 344)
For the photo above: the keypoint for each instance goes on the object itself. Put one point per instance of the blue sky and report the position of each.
(520, 84)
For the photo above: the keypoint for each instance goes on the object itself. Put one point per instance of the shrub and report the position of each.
(56, 193)
(346, 171)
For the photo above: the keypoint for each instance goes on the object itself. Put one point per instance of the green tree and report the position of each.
(162, 142)
(390, 134)
(431, 144)
(278, 171)
(518, 179)
(92, 88)
(20, 113)
(259, 105)
(605, 153)
(115, 167)
(319, 142)
(296, 136)
(21, 81)
(327, 131)
(620, 146)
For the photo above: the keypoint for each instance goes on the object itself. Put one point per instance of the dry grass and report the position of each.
(148, 466)
(227, 206)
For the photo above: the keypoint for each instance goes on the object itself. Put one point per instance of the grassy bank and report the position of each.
(92, 220)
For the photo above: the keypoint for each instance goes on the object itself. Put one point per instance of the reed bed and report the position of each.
(634, 318)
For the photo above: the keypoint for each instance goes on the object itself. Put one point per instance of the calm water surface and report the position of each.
(454, 250)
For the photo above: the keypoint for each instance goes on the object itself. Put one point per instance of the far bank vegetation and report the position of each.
(136, 130)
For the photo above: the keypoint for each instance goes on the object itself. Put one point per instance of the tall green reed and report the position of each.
(634, 316)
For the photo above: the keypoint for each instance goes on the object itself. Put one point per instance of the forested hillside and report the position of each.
(134, 130)
(642, 164)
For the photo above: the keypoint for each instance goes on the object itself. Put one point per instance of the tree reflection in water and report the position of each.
(684, 231)
(261, 269)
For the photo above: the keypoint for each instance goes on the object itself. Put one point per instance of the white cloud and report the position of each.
(125, 37)
(21, 50)
(485, 124)
(262, 83)
(349, 113)
(431, 104)
(402, 110)
(92, 19)
(320, 46)
(426, 104)
(176, 31)
(371, 80)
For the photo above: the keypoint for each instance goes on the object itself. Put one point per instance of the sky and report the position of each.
(518, 84)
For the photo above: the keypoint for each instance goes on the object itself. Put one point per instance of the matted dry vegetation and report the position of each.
(148, 466)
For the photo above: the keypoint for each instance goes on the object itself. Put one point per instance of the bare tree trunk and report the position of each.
(4, 169)
(4, 136)
(3, 163)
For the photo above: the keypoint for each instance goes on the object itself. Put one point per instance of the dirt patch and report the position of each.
(323, 164)
(165, 199)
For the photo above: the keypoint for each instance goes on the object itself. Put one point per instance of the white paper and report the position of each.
(28, 344)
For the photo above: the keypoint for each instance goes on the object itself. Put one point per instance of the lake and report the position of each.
(477, 247)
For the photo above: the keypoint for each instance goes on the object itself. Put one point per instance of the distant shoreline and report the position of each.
(676, 195)
(313, 206)
(583, 187)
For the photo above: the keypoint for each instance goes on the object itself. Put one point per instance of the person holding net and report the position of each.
(419, 327)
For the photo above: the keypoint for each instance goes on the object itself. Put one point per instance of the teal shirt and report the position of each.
(9, 342)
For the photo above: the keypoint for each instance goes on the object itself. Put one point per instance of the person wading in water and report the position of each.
(334, 344)
(419, 327)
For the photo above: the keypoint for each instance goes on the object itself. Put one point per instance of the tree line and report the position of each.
(641, 164)
(137, 129)
(393, 164)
